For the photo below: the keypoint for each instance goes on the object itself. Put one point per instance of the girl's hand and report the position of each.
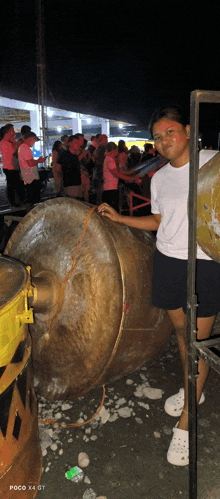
(109, 212)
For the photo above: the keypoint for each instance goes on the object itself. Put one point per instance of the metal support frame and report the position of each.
(203, 349)
(132, 195)
(41, 76)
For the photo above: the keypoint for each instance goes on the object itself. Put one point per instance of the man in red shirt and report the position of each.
(8, 148)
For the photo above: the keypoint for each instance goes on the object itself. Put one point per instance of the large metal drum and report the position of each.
(101, 324)
(208, 208)
(20, 454)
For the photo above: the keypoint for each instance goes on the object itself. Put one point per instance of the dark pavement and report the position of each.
(127, 445)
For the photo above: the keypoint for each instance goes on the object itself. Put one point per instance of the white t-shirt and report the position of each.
(169, 197)
(28, 173)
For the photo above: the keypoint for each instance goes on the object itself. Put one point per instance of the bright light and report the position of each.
(59, 129)
(120, 125)
(89, 120)
(49, 112)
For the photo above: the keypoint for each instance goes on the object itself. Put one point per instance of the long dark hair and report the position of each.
(173, 113)
(56, 145)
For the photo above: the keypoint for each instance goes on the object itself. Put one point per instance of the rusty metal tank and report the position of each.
(208, 208)
(20, 453)
(93, 320)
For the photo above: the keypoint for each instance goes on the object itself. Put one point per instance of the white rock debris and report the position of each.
(80, 420)
(145, 390)
(45, 439)
(124, 412)
(104, 415)
(89, 494)
(94, 424)
(146, 406)
(157, 434)
(65, 407)
(130, 403)
(120, 402)
(83, 460)
(139, 420)
(58, 415)
(115, 407)
(113, 417)
(110, 402)
(87, 480)
(53, 447)
(129, 381)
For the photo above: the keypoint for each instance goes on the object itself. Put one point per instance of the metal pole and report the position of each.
(41, 77)
(191, 298)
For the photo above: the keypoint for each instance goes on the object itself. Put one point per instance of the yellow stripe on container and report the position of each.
(13, 319)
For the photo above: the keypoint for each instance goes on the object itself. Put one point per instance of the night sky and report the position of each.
(122, 58)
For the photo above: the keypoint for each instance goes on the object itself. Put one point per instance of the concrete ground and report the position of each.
(127, 443)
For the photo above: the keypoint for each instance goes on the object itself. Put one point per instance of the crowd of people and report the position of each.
(87, 171)
(92, 172)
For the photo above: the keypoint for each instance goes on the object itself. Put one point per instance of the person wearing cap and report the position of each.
(24, 129)
(29, 169)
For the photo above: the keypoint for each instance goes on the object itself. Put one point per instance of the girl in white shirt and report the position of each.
(169, 195)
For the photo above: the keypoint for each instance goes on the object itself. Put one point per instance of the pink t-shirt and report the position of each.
(110, 182)
(7, 150)
(28, 173)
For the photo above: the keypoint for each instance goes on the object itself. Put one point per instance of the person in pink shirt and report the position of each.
(29, 169)
(110, 181)
(8, 148)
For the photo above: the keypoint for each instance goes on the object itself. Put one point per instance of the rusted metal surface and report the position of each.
(208, 208)
(20, 453)
(209, 351)
(106, 325)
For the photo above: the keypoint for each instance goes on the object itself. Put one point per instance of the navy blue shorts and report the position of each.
(169, 287)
